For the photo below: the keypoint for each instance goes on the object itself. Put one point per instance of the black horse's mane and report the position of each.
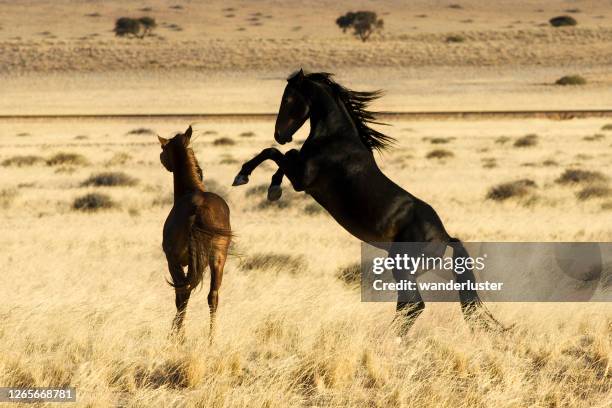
(356, 103)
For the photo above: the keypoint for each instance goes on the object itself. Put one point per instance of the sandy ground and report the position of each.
(85, 302)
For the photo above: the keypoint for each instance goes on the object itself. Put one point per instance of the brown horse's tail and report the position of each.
(201, 242)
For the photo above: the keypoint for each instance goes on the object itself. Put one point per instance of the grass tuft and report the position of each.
(563, 21)
(224, 141)
(439, 154)
(513, 189)
(110, 179)
(71, 159)
(93, 202)
(526, 141)
(571, 80)
(22, 161)
(578, 176)
(594, 191)
(275, 262)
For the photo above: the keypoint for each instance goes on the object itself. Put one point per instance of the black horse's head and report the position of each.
(305, 93)
(171, 148)
(294, 109)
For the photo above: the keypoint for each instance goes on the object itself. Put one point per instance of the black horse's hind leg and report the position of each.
(409, 302)
(472, 307)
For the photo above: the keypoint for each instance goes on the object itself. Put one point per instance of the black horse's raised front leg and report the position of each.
(289, 164)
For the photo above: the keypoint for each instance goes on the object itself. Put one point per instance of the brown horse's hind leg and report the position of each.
(181, 299)
(216, 263)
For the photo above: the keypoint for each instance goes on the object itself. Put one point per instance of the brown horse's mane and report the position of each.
(356, 104)
(195, 171)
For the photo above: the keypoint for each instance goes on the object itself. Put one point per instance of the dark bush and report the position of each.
(313, 208)
(73, 159)
(526, 141)
(223, 141)
(562, 21)
(439, 154)
(134, 27)
(21, 161)
(594, 191)
(141, 131)
(607, 126)
(571, 80)
(504, 191)
(577, 176)
(93, 202)
(455, 39)
(274, 262)
(363, 23)
(110, 179)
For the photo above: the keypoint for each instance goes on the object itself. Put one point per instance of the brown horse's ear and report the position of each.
(162, 141)
(188, 134)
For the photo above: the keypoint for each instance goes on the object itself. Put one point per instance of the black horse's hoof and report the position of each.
(240, 180)
(274, 193)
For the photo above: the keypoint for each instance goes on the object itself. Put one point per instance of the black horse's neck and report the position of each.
(329, 118)
(187, 174)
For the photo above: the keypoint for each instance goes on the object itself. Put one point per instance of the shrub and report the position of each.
(93, 202)
(223, 141)
(440, 140)
(562, 21)
(247, 134)
(594, 191)
(7, 196)
(110, 179)
(141, 131)
(577, 176)
(21, 161)
(350, 275)
(363, 23)
(455, 39)
(313, 209)
(607, 126)
(439, 154)
(63, 158)
(526, 141)
(118, 159)
(571, 80)
(134, 27)
(276, 262)
(595, 137)
(504, 191)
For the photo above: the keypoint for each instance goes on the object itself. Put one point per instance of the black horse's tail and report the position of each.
(201, 245)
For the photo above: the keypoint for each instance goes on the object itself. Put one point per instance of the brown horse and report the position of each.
(197, 231)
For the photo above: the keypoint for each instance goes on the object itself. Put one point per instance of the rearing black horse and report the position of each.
(336, 166)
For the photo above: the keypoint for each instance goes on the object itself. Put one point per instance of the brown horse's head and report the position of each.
(171, 148)
(294, 109)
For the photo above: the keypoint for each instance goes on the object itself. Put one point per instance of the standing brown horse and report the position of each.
(197, 231)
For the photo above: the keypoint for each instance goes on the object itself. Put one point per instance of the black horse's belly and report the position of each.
(371, 210)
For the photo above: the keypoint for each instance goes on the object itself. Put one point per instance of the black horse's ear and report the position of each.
(297, 77)
(188, 134)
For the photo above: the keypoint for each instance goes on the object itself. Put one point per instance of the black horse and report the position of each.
(336, 166)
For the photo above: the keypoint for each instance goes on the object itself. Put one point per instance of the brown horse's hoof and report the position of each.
(240, 180)
(274, 193)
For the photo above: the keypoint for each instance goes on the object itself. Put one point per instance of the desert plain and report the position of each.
(84, 297)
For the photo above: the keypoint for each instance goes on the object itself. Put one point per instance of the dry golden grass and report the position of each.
(85, 302)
